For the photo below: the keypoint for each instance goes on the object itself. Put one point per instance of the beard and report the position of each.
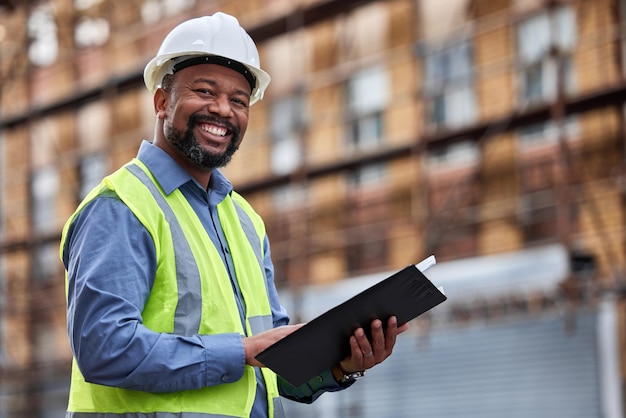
(187, 143)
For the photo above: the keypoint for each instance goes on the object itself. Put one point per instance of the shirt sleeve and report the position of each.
(313, 389)
(111, 261)
(318, 385)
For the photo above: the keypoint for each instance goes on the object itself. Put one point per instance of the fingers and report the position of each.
(254, 344)
(379, 341)
(362, 355)
(366, 353)
(403, 328)
(376, 350)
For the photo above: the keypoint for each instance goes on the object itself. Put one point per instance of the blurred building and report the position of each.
(490, 133)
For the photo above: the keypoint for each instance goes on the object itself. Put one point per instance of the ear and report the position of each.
(161, 100)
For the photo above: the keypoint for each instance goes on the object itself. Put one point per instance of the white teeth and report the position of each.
(213, 130)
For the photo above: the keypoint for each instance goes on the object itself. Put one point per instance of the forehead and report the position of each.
(214, 74)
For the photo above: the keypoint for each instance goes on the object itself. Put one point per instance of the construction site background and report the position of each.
(488, 133)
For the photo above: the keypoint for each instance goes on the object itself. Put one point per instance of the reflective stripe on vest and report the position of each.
(142, 415)
(186, 319)
(278, 413)
(188, 271)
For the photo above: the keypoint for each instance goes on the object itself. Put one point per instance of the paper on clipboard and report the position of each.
(324, 341)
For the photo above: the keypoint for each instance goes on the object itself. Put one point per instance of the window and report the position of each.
(539, 212)
(44, 189)
(91, 32)
(371, 174)
(42, 32)
(154, 10)
(367, 98)
(85, 4)
(46, 262)
(92, 168)
(538, 215)
(545, 44)
(286, 131)
(460, 154)
(365, 224)
(538, 38)
(290, 196)
(543, 133)
(449, 85)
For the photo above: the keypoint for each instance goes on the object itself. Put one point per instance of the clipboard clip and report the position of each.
(426, 263)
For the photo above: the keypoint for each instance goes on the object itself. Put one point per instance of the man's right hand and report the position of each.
(255, 344)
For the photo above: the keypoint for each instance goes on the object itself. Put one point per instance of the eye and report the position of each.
(205, 92)
(239, 102)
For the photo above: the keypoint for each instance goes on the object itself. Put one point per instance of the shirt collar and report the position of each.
(171, 176)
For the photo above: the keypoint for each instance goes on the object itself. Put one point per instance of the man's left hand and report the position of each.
(365, 354)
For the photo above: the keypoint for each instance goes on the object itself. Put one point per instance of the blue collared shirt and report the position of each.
(111, 263)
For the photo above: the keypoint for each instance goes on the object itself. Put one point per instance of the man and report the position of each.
(170, 292)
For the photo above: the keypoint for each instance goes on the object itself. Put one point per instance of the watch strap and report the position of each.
(341, 376)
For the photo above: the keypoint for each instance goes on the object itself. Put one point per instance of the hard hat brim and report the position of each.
(161, 65)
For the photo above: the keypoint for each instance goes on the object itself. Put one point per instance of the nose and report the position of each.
(220, 105)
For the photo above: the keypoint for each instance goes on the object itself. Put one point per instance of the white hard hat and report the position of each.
(215, 39)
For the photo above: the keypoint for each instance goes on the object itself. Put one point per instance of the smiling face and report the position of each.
(203, 116)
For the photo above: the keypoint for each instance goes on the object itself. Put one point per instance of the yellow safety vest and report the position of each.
(191, 294)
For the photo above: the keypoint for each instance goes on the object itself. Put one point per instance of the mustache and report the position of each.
(196, 118)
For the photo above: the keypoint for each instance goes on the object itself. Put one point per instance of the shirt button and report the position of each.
(225, 378)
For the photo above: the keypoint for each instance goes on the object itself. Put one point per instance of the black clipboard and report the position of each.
(324, 341)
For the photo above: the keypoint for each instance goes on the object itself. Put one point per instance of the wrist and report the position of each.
(338, 372)
(342, 376)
